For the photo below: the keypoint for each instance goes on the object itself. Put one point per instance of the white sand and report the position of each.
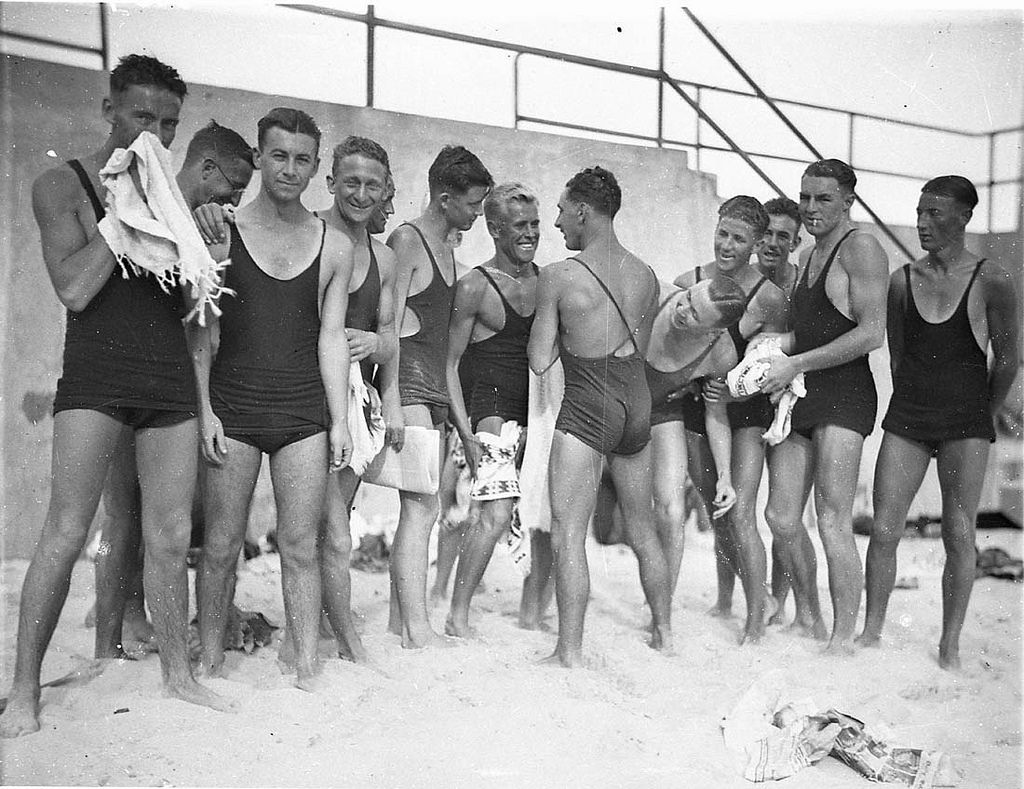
(483, 714)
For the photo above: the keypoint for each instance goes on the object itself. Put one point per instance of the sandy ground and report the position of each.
(484, 714)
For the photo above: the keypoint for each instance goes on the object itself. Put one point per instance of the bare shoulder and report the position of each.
(862, 251)
(57, 187)
(996, 282)
(385, 256)
(402, 239)
(471, 285)
(337, 249)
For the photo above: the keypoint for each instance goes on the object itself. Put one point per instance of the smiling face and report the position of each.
(735, 242)
(140, 108)
(287, 162)
(516, 232)
(358, 184)
(693, 310)
(823, 204)
(941, 221)
(781, 238)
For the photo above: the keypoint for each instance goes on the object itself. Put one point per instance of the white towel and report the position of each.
(545, 401)
(154, 231)
(365, 422)
(496, 476)
(747, 378)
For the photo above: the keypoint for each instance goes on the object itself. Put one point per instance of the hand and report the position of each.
(212, 220)
(679, 394)
(211, 435)
(341, 446)
(394, 427)
(725, 497)
(361, 344)
(716, 390)
(474, 450)
(782, 371)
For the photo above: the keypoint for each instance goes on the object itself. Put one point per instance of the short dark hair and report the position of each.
(726, 294)
(834, 168)
(783, 206)
(289, 119)
(746, 209)
(146, 70)
(363, 146)
(456, 170)
(955, 186)
(598, 188)
(219, 143)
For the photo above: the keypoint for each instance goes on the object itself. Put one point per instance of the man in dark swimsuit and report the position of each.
(418, 393)
(781, 240)
(595, 311)
(279, 385)
(217, 168)
(838, 317)
(945, 397)
(359, 180)
(488, 334)
(742, 224)
(125, 363)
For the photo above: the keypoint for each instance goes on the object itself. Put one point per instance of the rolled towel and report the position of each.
(747, 378)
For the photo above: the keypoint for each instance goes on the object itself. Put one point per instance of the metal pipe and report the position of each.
(661, 67)
(370, 54)
(515, 90)
(104, 37)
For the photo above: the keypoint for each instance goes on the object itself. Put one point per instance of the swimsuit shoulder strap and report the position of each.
(90, 190)
(754, 290)
(612, 299)
(494, 284)
(426, 246)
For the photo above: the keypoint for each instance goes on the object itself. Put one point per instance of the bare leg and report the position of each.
(83, 443)
(632, 475)
(747, 463)
(167, 458)
(789, 485)
(450, 535)
(573, 474)
(538, 586)
(409, 552)
(477, 549)
(961, 466)
(299, 474)
(668, 453)
(227, 495)
(607, 519)
(335, 555)
(118, 556)
(837, 453)
(899, 469)
(781, 582)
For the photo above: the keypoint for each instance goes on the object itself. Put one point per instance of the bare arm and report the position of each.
(1001, 305)
(543, 348)
(716, 423)
(896, 306)
(77, 258)
(332, 349)
(468, 293)
(867, 270)
(387, 335)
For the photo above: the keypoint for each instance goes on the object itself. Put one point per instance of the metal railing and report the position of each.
(102, 51)
(679, 87)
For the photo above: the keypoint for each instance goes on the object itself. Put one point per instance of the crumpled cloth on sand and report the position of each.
(770, 751)
(546, 392)
(153, 231)
(747, 378)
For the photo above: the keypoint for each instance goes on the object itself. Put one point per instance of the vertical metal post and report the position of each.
(991, 179)
(661, 69)
(515, 90)
(849, 148)
(698, 130)
(104, 37)
(370, 29)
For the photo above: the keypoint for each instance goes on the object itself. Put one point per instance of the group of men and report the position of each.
(311, 293)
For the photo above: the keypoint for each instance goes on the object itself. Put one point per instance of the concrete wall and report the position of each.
(51, 112)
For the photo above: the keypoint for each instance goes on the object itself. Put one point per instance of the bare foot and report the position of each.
(194, 693)
(753, 632)
(212, 671)
(867, 639)
(812, 629)
(428, 639)
(565, 659)
(661, 639)
(311, 682)
(352, 650)
(286, 659)
(720, 612)
(949, 659)
(779, 616)
(535, 624)
(839, 647)
(460, 629)
(139, 629)
(90, 617)
(21, 716)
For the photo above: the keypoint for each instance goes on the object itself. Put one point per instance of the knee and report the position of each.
(781, 522)
(337, 542)
(220, 549)
(297, 547)
(671, 511)
(495, 516)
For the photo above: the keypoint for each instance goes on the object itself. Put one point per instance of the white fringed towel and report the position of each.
(747, 378)
(154, 231)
